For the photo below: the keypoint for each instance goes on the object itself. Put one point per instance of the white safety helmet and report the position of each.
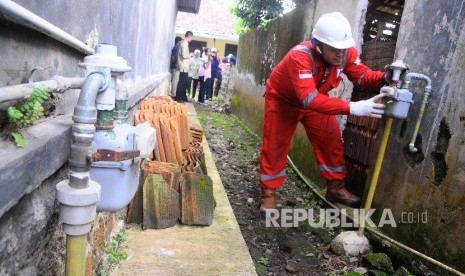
(214, 51)
(334, 30)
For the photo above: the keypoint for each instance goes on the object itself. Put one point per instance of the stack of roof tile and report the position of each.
(168, 195)
(171, 124)
(196, 133)
(195, 159)
(194, 155)
(174, 186)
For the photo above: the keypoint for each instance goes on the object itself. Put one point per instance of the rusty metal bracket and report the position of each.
(114, 155)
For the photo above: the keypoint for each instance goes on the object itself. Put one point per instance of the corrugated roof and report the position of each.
(190, 6)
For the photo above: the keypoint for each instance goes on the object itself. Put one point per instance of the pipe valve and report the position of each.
(398, 66)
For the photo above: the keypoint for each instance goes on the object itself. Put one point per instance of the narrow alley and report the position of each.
(232, 137)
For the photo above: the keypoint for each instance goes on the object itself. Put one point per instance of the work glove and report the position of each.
(388, 73)
(368, 107)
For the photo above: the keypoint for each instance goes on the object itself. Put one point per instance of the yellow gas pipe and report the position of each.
(76, 255)
(377, 170)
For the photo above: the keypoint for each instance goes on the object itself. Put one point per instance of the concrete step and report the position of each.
(218, 249)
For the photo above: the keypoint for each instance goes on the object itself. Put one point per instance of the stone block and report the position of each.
(350, 243)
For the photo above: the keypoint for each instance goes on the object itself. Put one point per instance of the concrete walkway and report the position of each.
(186, 250)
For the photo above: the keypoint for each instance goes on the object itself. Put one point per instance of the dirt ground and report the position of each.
(301, 250)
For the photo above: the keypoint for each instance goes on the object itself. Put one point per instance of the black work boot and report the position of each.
(336, 192)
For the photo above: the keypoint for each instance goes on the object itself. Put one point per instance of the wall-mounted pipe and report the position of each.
(397, 109)
(22, 16)
(427, 91)
(85, 116)
(76, 247)
(121, 110)
(56, 85)
(78, 195)
(377, 170)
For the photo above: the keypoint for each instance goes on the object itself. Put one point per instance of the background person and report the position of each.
(183, 67)
(223, 66)
(189, 76)
(215, 71)
(194, 66)
(174, 66)
(206, 81)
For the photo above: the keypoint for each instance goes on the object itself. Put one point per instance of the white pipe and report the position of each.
(405, 85)
(20, 15)
(56, 85)
(418, 76)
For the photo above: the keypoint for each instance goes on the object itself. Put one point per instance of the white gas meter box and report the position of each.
(118, 179)
(398, 103)
(145, 139)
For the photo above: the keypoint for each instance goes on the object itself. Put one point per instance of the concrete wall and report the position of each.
(261, 49)
(432, 41)
(140, 29)
(31, 238)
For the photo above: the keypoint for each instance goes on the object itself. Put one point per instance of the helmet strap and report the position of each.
(318, 46)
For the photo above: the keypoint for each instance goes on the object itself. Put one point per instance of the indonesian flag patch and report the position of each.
(305, 74)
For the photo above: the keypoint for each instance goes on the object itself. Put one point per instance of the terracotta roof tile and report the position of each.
(214, 17)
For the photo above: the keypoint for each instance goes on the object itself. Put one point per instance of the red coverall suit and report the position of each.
(296, 91)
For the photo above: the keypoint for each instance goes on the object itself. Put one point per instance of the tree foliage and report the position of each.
(254, 13)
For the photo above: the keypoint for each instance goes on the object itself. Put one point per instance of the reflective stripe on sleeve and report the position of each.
(308, 100)
(266, 177)
(338, 169)
(304, 49)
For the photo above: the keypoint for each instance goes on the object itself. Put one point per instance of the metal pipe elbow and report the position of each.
(418, 76)
(85, 111)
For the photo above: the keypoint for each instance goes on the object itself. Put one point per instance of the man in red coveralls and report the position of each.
(296, 91)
